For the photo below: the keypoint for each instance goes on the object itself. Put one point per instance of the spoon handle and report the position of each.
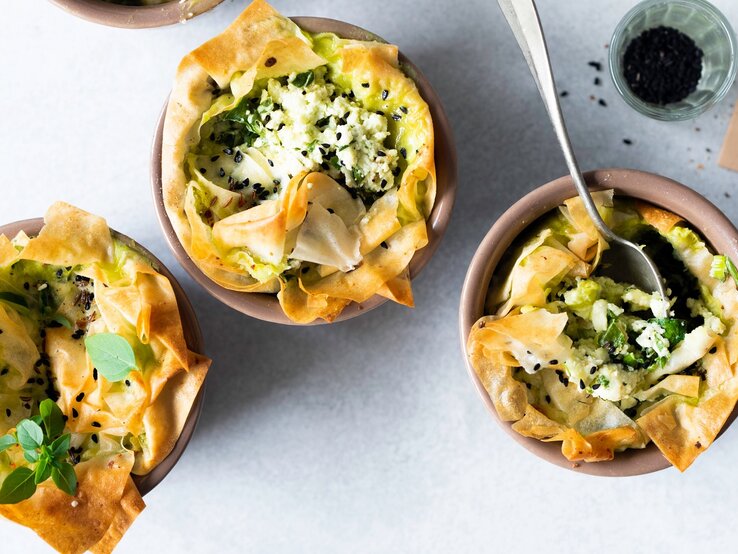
(522, 16)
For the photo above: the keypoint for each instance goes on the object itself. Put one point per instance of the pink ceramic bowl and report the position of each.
(136, 17)
(702, 215)
(265, 306)
(193, 337)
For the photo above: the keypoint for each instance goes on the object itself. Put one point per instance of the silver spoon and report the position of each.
(626, 260)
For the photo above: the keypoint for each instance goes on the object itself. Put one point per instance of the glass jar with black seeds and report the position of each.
(673, 59)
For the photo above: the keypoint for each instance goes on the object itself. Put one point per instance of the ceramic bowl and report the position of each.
(136, 17)
(702, 215)
(192, 334)
(265, 306)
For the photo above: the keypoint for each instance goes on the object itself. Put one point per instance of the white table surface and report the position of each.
(365, 436)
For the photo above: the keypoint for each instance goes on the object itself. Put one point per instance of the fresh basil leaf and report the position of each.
(60, 447)
(6, 442)
(18, 486)
(13, 298)
(111, 355)
(31, 456)
(53, 419)
(302, 80)
(65, 478)
(30, 435)
(42, 471)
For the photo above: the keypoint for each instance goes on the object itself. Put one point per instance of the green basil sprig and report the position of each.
(44, 444)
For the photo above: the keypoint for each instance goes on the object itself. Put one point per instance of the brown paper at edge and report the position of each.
(729, 153)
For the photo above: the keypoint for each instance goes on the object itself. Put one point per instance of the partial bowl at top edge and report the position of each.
(265, 306)
(136, 17)
(193, 338)
(662, 192)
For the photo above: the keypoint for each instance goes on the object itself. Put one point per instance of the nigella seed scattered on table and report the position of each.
(662, 65)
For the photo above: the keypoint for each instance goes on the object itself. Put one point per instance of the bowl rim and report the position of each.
(133, 17)
(265, 306)
(661, 191)
(662, 113)
(193, 337)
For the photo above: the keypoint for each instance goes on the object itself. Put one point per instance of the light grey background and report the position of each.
(366, 436)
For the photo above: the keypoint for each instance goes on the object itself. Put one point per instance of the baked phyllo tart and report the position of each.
(96, 380)
(298, 164)
(571, 355)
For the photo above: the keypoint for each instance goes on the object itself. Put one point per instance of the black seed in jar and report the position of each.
(662, 65)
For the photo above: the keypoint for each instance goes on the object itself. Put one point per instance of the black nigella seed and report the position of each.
(75, 413)
(94, 438)
(384, 245)
(385, 94)
(7, 412)
(662, 65)
(80, 397)
(564, 93)
(597, 81)
(4, 371)
(227, 151)
(581, 384)
(270, 62)
(338, 136)
(553, 362)
(221, 172)
(403, 153)
(548, 398)
(713, 349)
(203, 170)
(592, 370)
(215, 158)
(26, 286)
(627, 141)
(271, 163)
(403, 109)
(304, 152)
(365, 85)
(381, 153)
(96, 424)
(238, 157)
(536, 367)
(304, 270)
(529, 385)
(595, 386)
(396, 116)
(94, 373)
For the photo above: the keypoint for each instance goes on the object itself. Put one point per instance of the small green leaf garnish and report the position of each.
(64, 477)
(52, 418)
(18, 486)
(6, 442)
(48, 450)
(302, 80)
(111, 355)
(30, 435)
